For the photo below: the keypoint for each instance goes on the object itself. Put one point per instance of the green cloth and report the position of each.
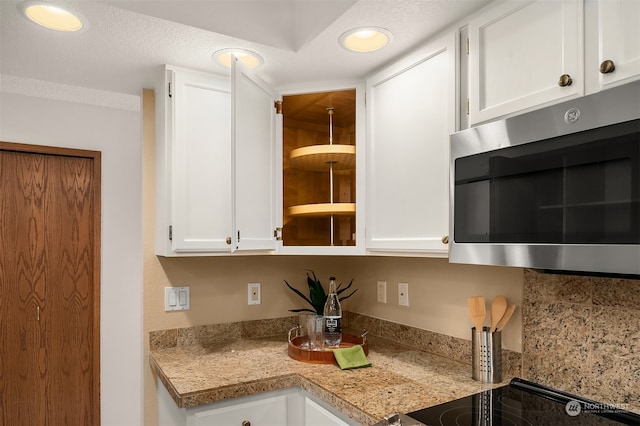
(352, 357)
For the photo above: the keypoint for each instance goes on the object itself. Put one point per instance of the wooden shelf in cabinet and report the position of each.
(319, 157)
(319, 169)
(322, 209)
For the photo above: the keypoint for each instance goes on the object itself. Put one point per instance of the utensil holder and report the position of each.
(486, 353)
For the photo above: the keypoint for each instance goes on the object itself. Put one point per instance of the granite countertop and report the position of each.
(401, 378)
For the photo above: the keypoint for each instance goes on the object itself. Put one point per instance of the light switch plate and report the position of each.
(177, 298)
(403, 294)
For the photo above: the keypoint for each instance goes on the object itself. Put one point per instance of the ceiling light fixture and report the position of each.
(52, 15)
(365, 39)
(247, 57)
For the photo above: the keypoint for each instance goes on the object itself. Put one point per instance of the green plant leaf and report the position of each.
(317, 295)
(339, 290)
(302, 310)
(347, 296)
(298, 292)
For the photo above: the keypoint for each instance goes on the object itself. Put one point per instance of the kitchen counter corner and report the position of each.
(401, 378)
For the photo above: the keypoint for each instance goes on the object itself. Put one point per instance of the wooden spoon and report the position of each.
(505, 317)
(477, 311)
(498, 308)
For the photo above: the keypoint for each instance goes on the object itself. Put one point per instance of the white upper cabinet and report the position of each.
(254, 129)
(410, 115)
(193, 163)
(524, 54)
(214, 171)
(619, 41)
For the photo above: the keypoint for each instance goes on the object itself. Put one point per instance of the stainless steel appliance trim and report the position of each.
(616, 105)
(398, 419)
(611, 259)
(612, 106)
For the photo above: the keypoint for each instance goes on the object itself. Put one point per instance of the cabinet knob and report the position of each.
(228, 240)
(445, 239)
(565, 80)
(246, 423)
(607, 67)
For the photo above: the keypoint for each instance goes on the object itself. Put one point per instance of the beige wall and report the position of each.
(437, 290)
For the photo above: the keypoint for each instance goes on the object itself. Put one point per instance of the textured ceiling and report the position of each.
(283, 24)
(127, 42)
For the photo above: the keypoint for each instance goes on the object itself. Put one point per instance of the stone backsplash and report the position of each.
(582, 335)
(204, 335)
(428, 341)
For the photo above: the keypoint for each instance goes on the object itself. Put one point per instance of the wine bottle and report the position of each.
(332, 316)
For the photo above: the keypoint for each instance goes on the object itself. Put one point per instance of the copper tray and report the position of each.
(324, 356)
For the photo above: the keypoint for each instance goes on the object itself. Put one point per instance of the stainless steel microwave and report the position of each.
(554, 189)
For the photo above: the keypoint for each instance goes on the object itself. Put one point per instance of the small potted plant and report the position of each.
(317, 295)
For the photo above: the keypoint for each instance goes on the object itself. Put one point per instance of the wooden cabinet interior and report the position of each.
(309, 209)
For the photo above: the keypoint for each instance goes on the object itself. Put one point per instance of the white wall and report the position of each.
(110, 123)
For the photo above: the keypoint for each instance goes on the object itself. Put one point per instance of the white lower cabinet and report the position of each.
(266, 411)
(317, 415)
(286, 407)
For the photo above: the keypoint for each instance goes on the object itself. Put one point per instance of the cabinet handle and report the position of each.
(445, 239)
(565, 80)
(607, 67)
(246, 423)
(228, 241)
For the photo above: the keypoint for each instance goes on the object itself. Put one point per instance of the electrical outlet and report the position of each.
(382, 291)
(403, 294)
(255, 296)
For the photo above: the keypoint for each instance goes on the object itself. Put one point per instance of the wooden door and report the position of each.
(49, 286)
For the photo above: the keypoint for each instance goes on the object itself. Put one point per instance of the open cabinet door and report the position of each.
(253, 136)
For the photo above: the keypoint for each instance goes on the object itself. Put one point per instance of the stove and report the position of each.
(521, 403)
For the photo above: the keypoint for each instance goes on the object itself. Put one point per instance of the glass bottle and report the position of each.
(332, 316)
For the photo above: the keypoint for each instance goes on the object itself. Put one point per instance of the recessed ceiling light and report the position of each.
(249, 58)
(365, 39)
(52, 15)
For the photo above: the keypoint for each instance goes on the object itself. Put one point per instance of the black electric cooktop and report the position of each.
(524, 403)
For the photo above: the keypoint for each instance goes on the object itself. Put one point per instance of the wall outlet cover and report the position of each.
(403, 294)
(254, 296)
